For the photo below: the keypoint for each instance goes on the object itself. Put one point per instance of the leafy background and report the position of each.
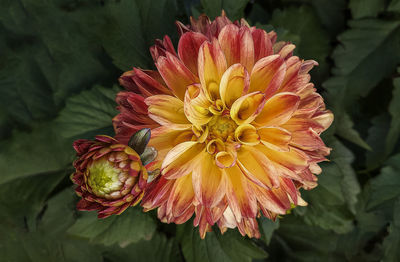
(59, 64)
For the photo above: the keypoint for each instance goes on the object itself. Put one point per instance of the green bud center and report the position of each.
(103, 178)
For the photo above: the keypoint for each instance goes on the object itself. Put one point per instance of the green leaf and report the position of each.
(344, 128)
(233, 8)
(129, 227)
(159, 248)
(378, 130)
(47, 242)
(332, 203)
(33, 190)
(230, 246)
(363, 59)
(36, 152)
(366, 8)
(88, 113)
(392, 241)
(385, 187)
(305, 242)
(305, 31)
(268, 227)
(394, 110)
(394, 6)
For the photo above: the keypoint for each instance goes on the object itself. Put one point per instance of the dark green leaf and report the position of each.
(366, 8)
(40, 151)
(233, 8)
(88, 113)
(268, 227)
(159, 248)
(129, 227)
(230, 246)
(385, 187)
(392, 241)
(394, 110)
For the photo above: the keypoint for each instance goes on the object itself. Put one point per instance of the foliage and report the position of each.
(59, 65)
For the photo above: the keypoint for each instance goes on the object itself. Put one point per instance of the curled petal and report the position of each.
(247, 135)
(246, 108)
(234, 84)
(196, 106)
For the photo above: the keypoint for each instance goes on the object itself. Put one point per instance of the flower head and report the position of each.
(109, 176)
(236, 123)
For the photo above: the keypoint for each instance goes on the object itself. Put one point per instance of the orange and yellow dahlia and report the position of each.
(236, 123)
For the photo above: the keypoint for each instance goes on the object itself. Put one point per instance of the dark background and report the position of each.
(59, 65)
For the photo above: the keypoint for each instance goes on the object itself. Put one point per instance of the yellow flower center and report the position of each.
(222, 127)
(104, 178)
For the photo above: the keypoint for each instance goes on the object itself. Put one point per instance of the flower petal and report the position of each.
(267, 75)
(240, 198)
(237, 45)
(262, 44)
(196, 106)
(257, 167)
(294, 159)
(246, 108)
(181, 197)
(147, 85)
(188, 49)
(234, 84)
(166, 110)
(246, 134)
(175, 74)
(212, 64)
(181, 159)
(208, 182)
(278, 109)
(276, 138)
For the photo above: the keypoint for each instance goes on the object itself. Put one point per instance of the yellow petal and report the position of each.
(293, 159)
(276, 138)
(257, 167)
(278, 109)
(246, 108)
(247, 134)
(234, 84)
(212, 65)
(196, 106)
(166, 110)
(209, 185)
(181, 197)
(240, 197)
(181, 160)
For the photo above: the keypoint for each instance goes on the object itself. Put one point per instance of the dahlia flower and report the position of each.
(109, 176)
(236, 123)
